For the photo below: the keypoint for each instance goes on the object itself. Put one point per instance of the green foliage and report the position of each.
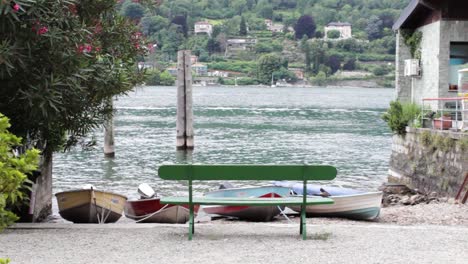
(413, 40)
(237, 66)
(13, 171)
(381, 70)
(399, 115)
(155, 77)
(448, 143)
(305, 26)
(242, 27)
(267, 64)
(463, 142)
(333, 34)
(320, 79)
(133, 10)
(426, 138)
(4, 261)
(61, 62)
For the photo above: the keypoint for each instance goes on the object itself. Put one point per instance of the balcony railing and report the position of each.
(451, 113)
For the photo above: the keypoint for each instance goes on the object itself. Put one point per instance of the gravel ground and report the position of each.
(424, 233)
(234, 243)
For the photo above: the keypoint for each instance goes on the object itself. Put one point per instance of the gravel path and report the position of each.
(424, 233)
(234, 242)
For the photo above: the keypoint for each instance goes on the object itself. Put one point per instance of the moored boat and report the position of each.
(249, 213)
(150, 210)
(90, 206)
(349, 203)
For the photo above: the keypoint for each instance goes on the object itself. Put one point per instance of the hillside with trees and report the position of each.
(296, 35)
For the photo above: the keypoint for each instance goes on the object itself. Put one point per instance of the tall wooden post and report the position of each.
(184, 125)
(109, 150)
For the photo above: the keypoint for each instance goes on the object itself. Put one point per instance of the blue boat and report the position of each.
(349, 203)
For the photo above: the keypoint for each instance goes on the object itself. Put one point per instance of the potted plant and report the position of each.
(442, 121)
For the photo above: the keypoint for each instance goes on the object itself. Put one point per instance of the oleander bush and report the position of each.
(60, 62)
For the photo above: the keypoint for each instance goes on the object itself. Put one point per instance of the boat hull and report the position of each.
(152, 211)
(363, 206)
(248, 213)
(90, 206)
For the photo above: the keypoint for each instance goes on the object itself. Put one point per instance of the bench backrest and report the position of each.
(247, 172)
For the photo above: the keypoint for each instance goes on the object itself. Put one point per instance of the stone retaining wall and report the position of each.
(430, 160)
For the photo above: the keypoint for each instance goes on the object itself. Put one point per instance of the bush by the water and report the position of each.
(160, 78)
(13, 171)
(399, 116)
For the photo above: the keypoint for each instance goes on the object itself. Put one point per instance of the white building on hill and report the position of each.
(343, 28)
(203, 27)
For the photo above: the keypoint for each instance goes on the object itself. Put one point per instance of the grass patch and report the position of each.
(463, 143)
(426, 138)
(321, 236)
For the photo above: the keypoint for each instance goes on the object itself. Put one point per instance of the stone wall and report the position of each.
(430, 160)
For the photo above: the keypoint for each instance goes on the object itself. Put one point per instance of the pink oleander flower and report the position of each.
(16, 8)
(42, 30)
(88, 48)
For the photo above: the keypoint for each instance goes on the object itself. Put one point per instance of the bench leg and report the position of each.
(303, 223)
(191, 223)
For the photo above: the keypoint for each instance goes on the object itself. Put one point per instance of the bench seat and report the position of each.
(238, 201)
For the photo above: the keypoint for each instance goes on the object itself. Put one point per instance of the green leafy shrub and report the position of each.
(426, 138)
(4, 261)
(463, 143)
(156, 77)
(333, 34)
(60, 62)
(13, 171)
(399, 115)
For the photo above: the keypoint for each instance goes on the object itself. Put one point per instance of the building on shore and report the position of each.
(203, 27)
(200, 69)
(432, 71)
(343, 27)
(298, 72)
(172, 71)
(431, 47)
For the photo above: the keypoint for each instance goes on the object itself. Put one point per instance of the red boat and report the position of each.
(249, 213)
(152, 211)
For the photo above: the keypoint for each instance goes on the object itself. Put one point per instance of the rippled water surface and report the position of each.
(260, 125)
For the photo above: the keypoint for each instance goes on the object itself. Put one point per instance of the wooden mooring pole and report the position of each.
(184, 124)
(109, 150)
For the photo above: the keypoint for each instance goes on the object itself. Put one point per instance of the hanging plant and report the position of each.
(412, 40)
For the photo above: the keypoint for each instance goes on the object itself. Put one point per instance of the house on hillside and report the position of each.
(200, 69)
(433, 71)
(203, 27)
(274, 27)
(240, 44)
(193, 59)
(344, 29)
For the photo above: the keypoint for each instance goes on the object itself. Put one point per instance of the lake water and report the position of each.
(260, 125)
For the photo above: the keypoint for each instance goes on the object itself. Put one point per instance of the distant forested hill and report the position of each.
(171, 25)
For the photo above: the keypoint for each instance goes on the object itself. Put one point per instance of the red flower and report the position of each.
(16, 8)
(42, 30)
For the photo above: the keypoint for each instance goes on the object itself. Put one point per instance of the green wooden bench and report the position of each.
(245, 173)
